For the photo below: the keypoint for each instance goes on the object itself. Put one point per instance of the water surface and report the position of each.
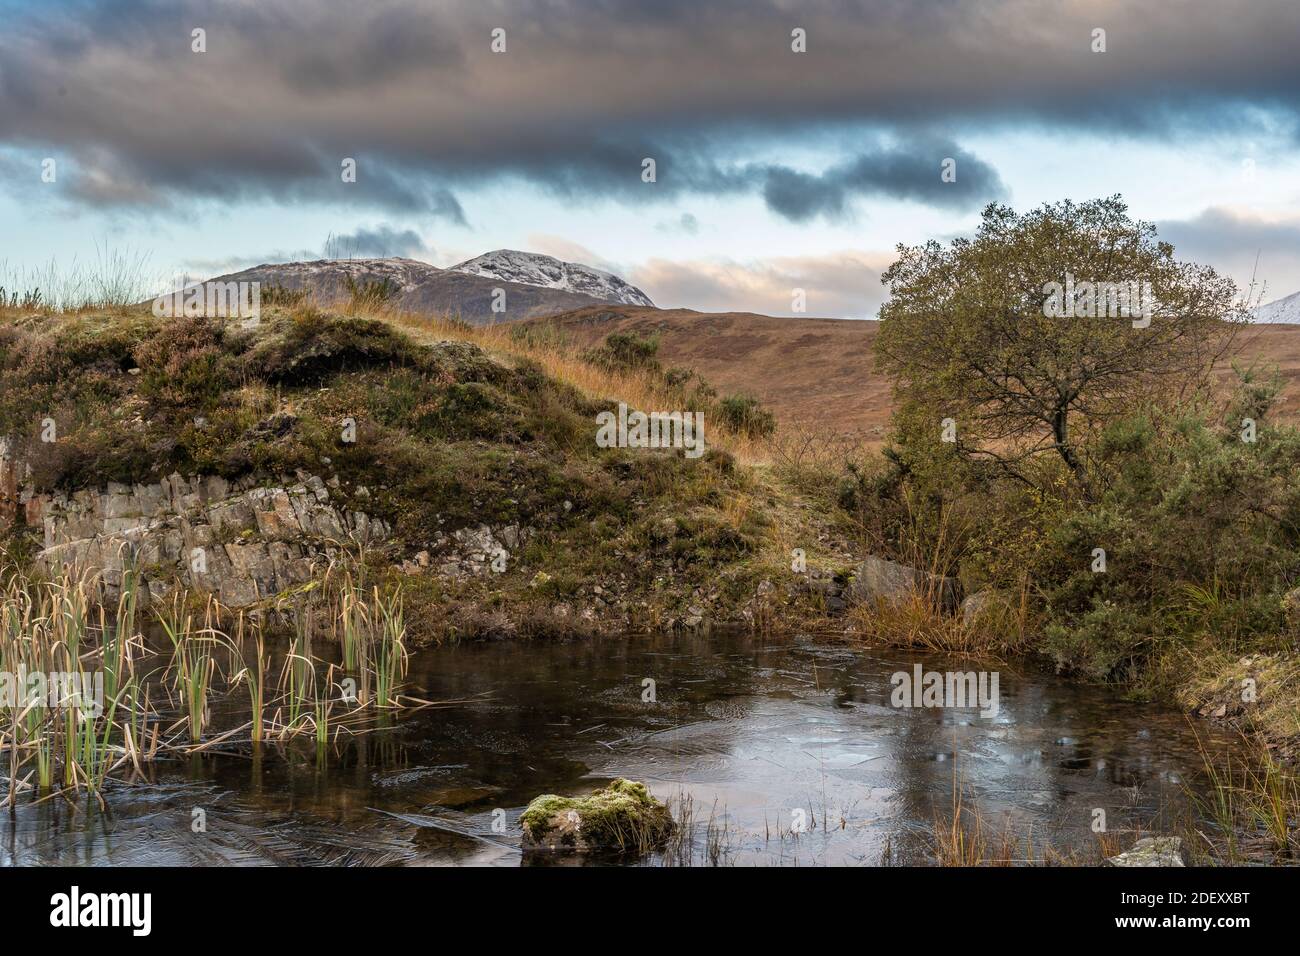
(758, 734)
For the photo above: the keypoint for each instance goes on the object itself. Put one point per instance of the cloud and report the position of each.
(901, 173)
(1241, 244)
(839, 285)
(686, 224)
(380, 241)
(568, 251)
(587, 88)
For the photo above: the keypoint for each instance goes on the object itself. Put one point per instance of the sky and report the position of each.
(774, 168)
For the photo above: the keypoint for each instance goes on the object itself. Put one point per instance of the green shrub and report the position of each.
(1200, 529)
(312, 346)
(186, 362)
(626, 351)
(744, 415)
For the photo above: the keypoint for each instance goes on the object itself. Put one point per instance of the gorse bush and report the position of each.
(1202, 538)
(1200, 532)
(744, 415)
(626, 351)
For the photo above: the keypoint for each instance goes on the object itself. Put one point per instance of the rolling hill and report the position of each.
(809, 371)
(820, 372)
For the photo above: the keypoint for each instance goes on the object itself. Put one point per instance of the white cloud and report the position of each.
(839, 285)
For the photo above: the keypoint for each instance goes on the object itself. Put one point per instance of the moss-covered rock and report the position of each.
(622, 817)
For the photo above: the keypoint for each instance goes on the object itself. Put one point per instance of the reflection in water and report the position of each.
(756, 731)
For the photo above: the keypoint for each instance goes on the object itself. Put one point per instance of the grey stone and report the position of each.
(974, 606)
(880, 581)
(1151, 851)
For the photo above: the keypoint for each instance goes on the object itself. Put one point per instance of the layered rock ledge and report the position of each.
(243, 541)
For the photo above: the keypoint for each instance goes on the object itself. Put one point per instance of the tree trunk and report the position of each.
(1061, 432)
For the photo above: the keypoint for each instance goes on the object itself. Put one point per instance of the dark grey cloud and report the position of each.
(377, 242)
(587, 88)
(911, 173)
(687, 224)
(96, 177)
(365, 242)
(908, 171)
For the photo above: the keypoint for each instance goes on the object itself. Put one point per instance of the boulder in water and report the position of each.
(622, 817)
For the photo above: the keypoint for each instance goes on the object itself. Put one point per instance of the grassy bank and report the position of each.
(437, 429)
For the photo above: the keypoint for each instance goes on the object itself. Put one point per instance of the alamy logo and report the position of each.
(26, 689)
(1100, 300)
(957, 689)
(635, 429)
(212, 300)
(74, 909)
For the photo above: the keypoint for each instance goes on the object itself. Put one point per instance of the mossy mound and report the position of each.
(622, 817)
(433, 435)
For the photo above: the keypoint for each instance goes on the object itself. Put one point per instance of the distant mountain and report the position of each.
(548, 272)
(1280, 310)
(421, 287)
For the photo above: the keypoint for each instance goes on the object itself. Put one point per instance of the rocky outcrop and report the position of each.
(829, 586)
(1151, 851)
(242, 541)
(879, 581)
(469, 552)
(9, 483)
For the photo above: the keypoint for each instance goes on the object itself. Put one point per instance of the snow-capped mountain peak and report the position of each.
(404, 274)
(1280, 310)
(548, 272)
